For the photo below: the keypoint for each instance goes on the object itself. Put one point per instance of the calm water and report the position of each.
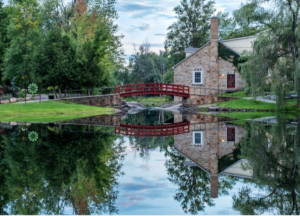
(152, 162)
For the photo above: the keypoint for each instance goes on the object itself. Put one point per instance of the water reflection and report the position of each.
(59, 170)
(75, 167)
(272, 151)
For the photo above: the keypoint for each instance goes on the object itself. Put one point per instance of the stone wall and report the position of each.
(195, 100)
(225, 68)
(99, 100)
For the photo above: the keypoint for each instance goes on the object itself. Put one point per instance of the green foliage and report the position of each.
(55, 61)
(192, 27)
(59, 170)
(23, 32)
(228, 55)
(193, 184)
(275, 50)
(71, 46)
(272, 152)
(4, 41)
(146, 66)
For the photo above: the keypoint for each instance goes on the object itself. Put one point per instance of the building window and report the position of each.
(197, 77)
(231, 134)
(197, 138)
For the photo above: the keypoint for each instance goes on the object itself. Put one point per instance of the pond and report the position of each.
(151, 162)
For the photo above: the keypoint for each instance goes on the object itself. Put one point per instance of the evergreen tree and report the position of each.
(55, 62)
(4, 42)
(23, 32)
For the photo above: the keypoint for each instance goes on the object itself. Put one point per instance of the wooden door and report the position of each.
(231, 81)
(231, 134)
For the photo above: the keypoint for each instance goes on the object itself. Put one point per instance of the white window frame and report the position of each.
(196, 132)
(197, 83)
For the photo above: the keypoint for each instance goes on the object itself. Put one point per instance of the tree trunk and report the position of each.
(298, 101)
(89, 92)
(59, 93)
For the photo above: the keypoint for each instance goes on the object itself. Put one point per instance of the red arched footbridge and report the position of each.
(153, 131)
(153, 89)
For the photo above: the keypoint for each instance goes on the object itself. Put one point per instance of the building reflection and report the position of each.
(211, 145)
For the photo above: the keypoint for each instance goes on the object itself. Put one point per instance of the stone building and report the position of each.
(209, 142)
(212, 66)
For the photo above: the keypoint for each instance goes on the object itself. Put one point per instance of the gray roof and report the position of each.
(238, 38)
(229, 48)
(191, 50)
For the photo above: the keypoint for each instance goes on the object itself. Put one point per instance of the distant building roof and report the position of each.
(191, 50)
(238, 38)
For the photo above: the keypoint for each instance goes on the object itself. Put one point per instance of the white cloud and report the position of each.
(149, 20)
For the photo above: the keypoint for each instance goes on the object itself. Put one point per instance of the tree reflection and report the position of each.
(149, 117)
(273, 154)
(62, 169)
(194, 191)
(143, 145)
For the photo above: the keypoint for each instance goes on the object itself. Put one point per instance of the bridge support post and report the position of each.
(130, 90)
(143, 86)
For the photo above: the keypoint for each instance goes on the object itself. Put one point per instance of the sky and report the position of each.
(148, 20)
(146, 189)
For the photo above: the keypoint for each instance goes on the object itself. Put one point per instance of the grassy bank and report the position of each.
(259, 105)
(247, 115)
(48, 111)
(149, 101)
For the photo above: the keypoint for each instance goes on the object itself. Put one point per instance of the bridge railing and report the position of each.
(152, 88)
(153, 131)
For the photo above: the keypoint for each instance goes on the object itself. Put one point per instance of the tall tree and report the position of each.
(276, 50)
(55, 61)
(24, 34)
(145, 65)
(4, 42)
(98, 48)
(192, 27)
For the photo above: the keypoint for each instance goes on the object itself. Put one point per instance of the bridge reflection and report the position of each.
(153, 131)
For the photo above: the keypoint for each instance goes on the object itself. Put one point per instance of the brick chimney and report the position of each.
(214, 32)
(214, 71)
(214, 186)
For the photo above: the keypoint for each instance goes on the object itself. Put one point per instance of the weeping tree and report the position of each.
(275, 52)
(272, 152)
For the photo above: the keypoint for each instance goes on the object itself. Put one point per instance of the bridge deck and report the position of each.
(153, 89)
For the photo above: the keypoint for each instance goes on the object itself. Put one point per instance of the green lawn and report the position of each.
(236, 94)
(247, 104)
(259, 105)
(247, 115)
(48, 111)
(149, 101)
